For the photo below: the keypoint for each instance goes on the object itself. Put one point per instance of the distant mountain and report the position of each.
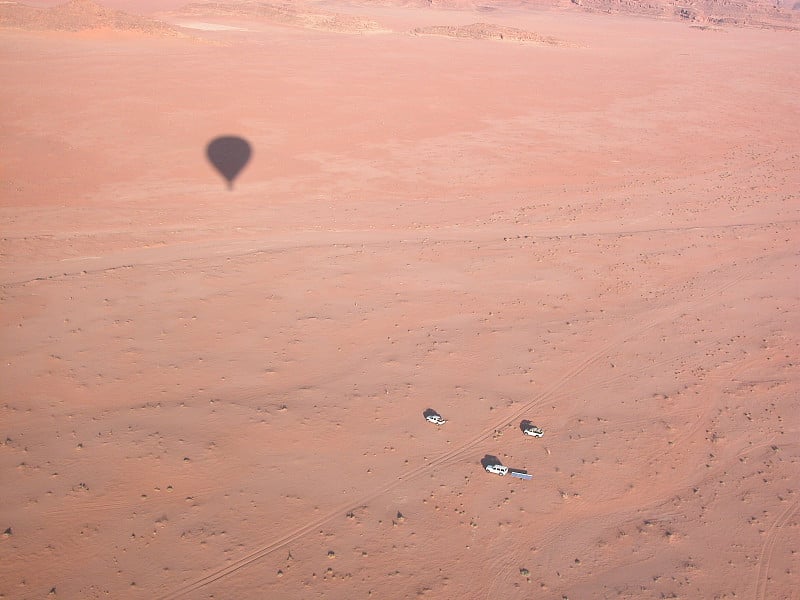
(777, 14)
(780, 14)
(79, 15)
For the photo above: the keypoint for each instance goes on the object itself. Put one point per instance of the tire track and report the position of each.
(454, 453)
(715, 380)
(160, 256)
(573, 373)
(505, 566)
(764, 560)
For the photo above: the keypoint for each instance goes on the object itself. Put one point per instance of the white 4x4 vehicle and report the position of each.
(435, 419)
(497, 469)
(533, 430)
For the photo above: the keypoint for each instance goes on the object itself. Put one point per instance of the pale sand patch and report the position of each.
(208, 26)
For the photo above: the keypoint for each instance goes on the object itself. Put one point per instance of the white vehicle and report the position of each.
(533, 430)
(435, 419)
(497, 469)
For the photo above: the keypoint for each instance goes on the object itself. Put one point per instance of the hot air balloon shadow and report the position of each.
(229, 154)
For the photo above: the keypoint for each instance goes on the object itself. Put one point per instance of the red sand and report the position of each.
(214, 394)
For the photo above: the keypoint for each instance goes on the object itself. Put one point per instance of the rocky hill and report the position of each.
(79, 15)
(487, 31)
(748, 13)
(297, 14)
(780, 14)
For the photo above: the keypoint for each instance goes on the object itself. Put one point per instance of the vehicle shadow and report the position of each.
(490, 459)
(429, 412)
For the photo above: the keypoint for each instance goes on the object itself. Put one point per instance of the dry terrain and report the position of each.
(591, 221)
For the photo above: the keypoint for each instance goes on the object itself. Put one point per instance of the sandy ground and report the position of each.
(219, 394)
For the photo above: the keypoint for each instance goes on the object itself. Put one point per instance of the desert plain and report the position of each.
(502, 212)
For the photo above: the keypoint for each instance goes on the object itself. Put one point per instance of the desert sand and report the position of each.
(591, 222)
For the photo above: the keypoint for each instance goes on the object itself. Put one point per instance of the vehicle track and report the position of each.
(441, 459)
(716, 380)
(505, 565)
(159, 256)
(576, 371)
(767, 550)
